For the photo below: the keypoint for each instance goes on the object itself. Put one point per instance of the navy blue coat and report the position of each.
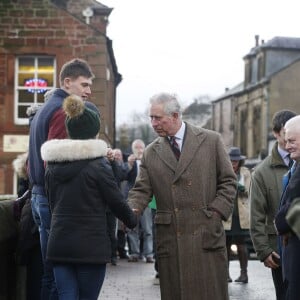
(290, 252)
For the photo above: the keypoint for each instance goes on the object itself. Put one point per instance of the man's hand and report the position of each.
(110, 154)
(131, 159)
(272, 261)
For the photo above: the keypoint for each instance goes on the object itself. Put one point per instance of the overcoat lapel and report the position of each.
(165, 153)
(192, 142)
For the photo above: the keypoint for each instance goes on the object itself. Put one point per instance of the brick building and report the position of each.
(36, 38)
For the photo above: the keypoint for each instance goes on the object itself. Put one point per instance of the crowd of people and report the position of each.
(180, 202)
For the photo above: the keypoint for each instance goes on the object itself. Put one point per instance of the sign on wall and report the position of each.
(15, 143)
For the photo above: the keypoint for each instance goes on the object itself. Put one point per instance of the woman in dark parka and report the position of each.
(80, 186)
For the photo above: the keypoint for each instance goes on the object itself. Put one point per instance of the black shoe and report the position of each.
(123, 256)
(243, 278)
(114, 261)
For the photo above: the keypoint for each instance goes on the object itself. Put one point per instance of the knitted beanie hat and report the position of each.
(81, 122)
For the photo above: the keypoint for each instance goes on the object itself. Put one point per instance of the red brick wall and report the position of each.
(39, 27)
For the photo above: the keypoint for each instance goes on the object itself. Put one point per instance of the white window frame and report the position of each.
(24, 121)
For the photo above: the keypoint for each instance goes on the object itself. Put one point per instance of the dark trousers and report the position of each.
(34, 274)
(8, 269)
(121, 235)
(280, 288)
(111, 227)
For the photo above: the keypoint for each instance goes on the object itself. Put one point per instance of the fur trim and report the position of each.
(71, 150)
(20, 165)
(73, 106)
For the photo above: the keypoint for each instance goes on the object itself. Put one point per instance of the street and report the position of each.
(136, 281)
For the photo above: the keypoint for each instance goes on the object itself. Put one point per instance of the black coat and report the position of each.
(131, 176)
(80, 186)
(290, 252)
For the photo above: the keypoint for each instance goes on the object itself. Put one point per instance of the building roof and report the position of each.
(230, 92)
(283, 42)
(96, 6)
(277, 42)
(287, 43)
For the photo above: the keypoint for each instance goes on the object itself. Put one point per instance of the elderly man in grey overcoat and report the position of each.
(194, 185)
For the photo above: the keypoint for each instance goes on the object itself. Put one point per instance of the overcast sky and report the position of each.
(190, 47)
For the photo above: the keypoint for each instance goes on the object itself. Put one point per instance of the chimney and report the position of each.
(256, 40)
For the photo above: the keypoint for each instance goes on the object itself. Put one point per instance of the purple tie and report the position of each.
(175, 147)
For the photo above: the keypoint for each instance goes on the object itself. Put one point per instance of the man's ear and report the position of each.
(275, 134)
(175, 115)
(67, 81)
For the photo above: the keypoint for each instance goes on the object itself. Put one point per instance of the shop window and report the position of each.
(34, 76)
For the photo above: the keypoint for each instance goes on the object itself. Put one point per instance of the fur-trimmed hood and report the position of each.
(72, 150)
(67, 158)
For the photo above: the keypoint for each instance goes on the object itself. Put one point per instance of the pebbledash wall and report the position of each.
(36, 38)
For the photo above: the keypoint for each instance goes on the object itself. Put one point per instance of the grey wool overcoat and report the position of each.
(190, 241)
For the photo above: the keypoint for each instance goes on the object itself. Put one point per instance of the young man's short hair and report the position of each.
(75, 68)
(280, 118)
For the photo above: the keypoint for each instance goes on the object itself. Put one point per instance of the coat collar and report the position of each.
(193, 139)
(71, 150)
(276, 159)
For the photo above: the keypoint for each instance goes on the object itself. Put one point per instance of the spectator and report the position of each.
(119, 170)
(237, 226)
(28, 252)
(121, 179)
(144, 228)
(28, 246)
(80, 185)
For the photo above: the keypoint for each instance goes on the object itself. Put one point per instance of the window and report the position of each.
(33, 77)
(256, 130)
(261, 68)
(243, 137)
(248, 72)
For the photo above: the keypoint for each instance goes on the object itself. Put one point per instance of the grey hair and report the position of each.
(49, 94)
(137, 141)
(32, 109)
(170, 103)
(19, 165)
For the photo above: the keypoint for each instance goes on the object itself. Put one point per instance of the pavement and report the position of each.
(136, 281)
